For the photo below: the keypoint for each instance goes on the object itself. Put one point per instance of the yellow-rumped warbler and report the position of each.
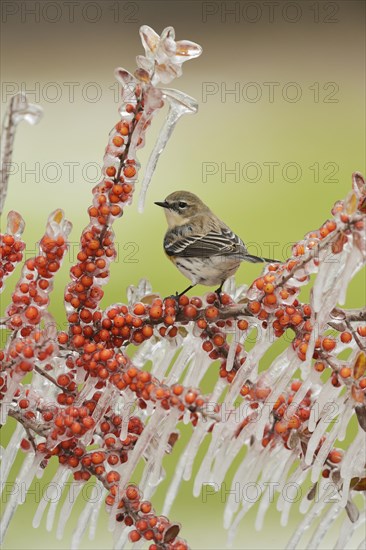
(202, 247)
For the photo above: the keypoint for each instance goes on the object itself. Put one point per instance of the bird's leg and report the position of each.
(218, 292)
(184, 291)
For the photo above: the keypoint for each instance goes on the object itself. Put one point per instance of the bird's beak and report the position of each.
(163, 204)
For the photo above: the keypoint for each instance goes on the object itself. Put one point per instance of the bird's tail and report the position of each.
(257, 259)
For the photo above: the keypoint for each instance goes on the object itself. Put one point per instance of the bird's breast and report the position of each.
(207, 271)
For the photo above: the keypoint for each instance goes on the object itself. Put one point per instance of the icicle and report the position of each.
(96, 509)
(186, 355)
(127, 408)
(143, 441)
(179, 104)
(305, 524)
(199, 365)
(246, 506)
(327, 394)
(253, 358)
(277, 389)
(202, 428)
(327, 280)
(284, 504)
(353, 463)
(108, 397)
(7, 460)
(324, 526)
(232, 349)
(203, 474)
(84, 518)
(247, 472)
(162, 358)
(60, 484)
(193, 443)
(58, 481)
(346, 532)
(22, 482)
(279, 365)
(12, 386)
(224, 459)
(344, 420)
(88, 388)
(310, 382)
(19, 109)
(123, 532)
(354, 264)
(156, 458)
(71, 498)
(271, 474)
(220, 386)
(327, 445)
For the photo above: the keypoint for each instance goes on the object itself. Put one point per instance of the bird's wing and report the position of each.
(217, 242)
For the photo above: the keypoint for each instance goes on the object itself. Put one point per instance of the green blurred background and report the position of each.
(280, 88)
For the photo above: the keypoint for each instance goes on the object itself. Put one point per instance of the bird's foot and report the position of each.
(218, 293)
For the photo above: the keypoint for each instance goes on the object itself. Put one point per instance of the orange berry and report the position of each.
(147, 331)
(156, 312)
(31, 313)
(254, 307)
(270, 299)
(122, 128)
(190, 312)
(218, 340)
(62, 338)
(139, 309)
(335, 456)
(293, 423)
(129, 171)
(346, 337)
(304, 414)
(190, 398)
(211, 312)
(243, 324)
(262, 393)
(331, 225)
(296, 385)
(328, 344)
(134, 536)
(319, 366)
(296, 319)
(362, 330)
(111, 171)
(118, 141)
(207, 346)
(259, 283)
(345, 372)
(280, 427)
(303, 348)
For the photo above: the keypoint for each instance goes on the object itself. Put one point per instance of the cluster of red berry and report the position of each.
(83, 295)
(134, 511)
(11, 246)
(30, 298)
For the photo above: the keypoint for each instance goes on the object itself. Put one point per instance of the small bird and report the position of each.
(199, 244)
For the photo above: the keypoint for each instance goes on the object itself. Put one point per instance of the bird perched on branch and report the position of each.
(199, 244)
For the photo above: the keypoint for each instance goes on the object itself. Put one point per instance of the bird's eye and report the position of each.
(182, 204)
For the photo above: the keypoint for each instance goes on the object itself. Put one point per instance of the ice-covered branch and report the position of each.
(19, 109)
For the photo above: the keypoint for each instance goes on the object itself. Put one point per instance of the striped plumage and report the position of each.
(202, 247)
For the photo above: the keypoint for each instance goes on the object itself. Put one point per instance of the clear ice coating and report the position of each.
(179, 104)
(18, 109)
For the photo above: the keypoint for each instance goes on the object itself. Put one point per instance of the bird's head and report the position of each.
(180, 206)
